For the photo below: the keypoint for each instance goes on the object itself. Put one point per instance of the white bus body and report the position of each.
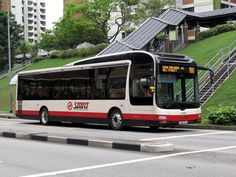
(112, 90)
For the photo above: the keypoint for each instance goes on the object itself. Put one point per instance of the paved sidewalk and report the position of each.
(7, 115)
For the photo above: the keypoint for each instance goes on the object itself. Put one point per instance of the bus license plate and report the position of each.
(183, 122)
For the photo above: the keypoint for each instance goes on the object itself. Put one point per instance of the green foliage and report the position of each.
(224, 96)
(153, 8)
(16, 37)
(2, 64)
(99, 12)
(33, 49)
(83, 52)
(24, 49)
(70, 31)
(222, 115)
(47, 41)
(217, 30)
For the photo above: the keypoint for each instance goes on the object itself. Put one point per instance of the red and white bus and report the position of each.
(134, 88)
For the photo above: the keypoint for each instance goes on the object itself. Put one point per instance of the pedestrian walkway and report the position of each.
(7, 115)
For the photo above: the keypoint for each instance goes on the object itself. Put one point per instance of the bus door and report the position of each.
(140, 88)
(27, 91)
(141, 94)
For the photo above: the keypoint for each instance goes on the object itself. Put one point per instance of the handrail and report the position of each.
(17, 68)
(212, 87)
(218, 70)
(220, 58)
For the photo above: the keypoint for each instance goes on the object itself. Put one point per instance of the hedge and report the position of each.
(82, 52)
(217, 30)
(222, 115)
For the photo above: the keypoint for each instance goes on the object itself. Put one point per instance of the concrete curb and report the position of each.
(209, 127)
(8, 116)
(152, 148)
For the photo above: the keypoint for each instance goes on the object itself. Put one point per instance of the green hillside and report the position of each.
(4, 88)
(224, 96)
(204, 50)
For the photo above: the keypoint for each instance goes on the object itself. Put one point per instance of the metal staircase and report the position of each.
(223, 64)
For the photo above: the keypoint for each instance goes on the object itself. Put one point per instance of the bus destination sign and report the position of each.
(178, 69)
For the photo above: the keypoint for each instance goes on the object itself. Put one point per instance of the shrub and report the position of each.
(222, 115)
(37, 59)
(82, 52)
(217, 30)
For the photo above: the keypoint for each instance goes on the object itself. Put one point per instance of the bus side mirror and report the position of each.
(211, 72)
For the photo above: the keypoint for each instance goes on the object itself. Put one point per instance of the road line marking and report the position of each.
(128, 162)
(184, 136)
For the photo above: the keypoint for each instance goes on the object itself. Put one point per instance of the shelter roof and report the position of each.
(153, 26)
(219, 12)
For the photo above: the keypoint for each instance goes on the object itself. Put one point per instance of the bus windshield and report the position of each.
(177, 91)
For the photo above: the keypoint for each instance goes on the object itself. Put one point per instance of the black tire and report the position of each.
(154, 127)
(44, 117)
(116, 120)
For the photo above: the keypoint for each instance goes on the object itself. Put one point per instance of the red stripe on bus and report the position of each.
(138, 116)
(78, 114)
(153, 117)
(64, 114)
(30, 113)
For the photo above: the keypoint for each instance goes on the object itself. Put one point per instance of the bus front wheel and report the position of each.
(44, 118)
(116, 120)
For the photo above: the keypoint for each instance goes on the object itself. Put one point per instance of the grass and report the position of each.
(204, 50)
(224, 96)
(4, 88)
(50, 63)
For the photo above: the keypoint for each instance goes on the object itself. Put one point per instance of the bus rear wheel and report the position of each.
(154, 127)
(116, 120)
(44, 118)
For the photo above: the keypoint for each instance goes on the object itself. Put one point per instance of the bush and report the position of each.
(217, 30)
(37, 59)
(222, 115)
(82, 52)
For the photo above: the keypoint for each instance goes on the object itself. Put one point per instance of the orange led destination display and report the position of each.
(178, 69)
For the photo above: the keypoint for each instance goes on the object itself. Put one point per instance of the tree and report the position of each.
(24, 50)
(15, 38)
(0, 4)
(99, 12)
(47, 41)
(2, 62)
(33, 49)
(73, 29)
(135, 11)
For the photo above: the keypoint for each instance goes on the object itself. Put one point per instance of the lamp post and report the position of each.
(9, 52)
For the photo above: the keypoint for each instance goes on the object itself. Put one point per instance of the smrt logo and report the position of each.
(77, 105)
(69, 105)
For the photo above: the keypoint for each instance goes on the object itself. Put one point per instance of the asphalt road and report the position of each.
(207, 153)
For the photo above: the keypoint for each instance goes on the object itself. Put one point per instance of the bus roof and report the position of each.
(111, 59)
(75, 67)
(159, 57)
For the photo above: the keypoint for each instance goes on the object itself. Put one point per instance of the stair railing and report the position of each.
(230, 66)
(214, 64)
